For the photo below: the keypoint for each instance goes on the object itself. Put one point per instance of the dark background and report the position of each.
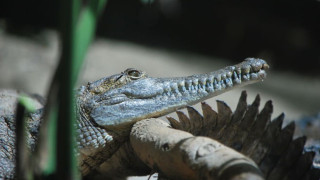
(285, 33)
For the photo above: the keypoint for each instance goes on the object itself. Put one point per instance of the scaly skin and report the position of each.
(107, 108)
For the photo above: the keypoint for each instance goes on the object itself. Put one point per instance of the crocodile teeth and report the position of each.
(223, 76)
(229, 82)
(216, 81)
(235, 75)
(181, 86)
(174, 88)
(222, 83)
(217, 85)
(245, 69)
(245, 77)
(195, 82)
(218, 77)
(256, 67)
(209, 85)
(262, 74)
(229, 74)
(238, 70)
(203, 83)
(188, 85)
(167, 89)
(254, 76)
(209, 88)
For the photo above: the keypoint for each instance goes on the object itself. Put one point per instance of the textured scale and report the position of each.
(256, 136)
(107, 108)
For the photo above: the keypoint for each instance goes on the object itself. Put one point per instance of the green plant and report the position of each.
(78, 24)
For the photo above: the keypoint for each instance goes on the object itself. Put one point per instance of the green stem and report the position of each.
(78, 25)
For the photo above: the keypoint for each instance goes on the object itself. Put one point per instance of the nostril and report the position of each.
(165, 147)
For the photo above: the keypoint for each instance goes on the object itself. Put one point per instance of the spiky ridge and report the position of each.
(273, 148)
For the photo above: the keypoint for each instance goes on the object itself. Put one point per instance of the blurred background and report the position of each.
(178, 38)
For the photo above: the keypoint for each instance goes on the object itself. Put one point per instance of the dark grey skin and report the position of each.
(107, 108)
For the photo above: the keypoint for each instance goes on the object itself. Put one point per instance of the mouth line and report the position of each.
(154, 97)
(200, 85)
(218, 81)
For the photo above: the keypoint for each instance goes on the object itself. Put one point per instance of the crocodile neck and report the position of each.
(107, 108)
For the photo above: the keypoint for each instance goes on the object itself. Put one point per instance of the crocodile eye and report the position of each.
(134, 74)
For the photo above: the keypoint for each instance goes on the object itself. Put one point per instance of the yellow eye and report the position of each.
(134, 74)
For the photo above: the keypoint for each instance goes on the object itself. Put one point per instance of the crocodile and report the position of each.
(107, 108)
(111, 105)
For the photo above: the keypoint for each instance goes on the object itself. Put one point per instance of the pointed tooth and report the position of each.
(203, 83)
(238, 69)
(209, 88)
(209, 85)
(218, 77)
(245, 69)
(223, 84)
(223, 76)
(229, 82)
(211, 79)
(195, 83)
(245, 77)
(235, 75)
(217, 84)
(256, 66)
(254, 76)
(231, 68)
(192, 88)
(174, 88)
(262, 74)
(182, 86)
(188, 85)
(166, 87)
(230, 79)
(229, 74)
(239, 75)
(237, 80)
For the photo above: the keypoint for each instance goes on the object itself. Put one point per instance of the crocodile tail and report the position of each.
(252, 133)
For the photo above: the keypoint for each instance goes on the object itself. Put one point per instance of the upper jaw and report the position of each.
(152, 97)
(249, 71)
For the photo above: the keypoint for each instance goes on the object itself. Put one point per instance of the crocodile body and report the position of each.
(107, 108)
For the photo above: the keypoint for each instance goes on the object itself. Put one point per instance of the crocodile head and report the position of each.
(132, 95)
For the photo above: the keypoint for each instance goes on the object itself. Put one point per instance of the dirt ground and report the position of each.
(28, 64)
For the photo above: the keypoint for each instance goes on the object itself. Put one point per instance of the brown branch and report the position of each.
(180, 155)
